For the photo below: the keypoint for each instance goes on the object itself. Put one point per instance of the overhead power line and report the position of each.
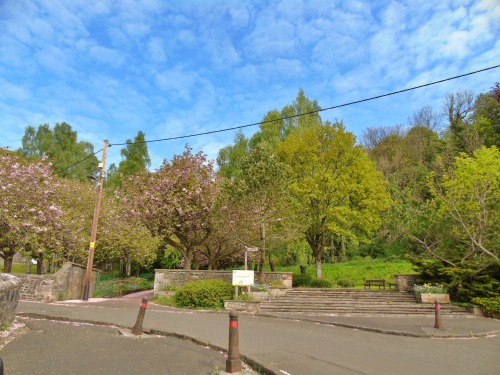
(292, 116)
(78, 162)
(310, 112)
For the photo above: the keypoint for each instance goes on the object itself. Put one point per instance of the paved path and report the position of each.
(288, 346)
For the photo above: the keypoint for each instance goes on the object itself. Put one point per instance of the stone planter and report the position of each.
(247, 306)
(259, 296)
(432, 297)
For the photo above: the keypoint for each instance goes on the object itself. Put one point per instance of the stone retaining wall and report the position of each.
(10, 287)
(180, 277)
(64, 284)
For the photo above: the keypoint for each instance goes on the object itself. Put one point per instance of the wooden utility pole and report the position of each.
(93, 235)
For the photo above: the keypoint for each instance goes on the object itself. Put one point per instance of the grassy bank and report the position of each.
(357, 271)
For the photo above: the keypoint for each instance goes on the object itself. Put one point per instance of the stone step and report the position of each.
(353, 302)
(348, 299)
(362, 310)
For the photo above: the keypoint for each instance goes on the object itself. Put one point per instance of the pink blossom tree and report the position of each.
(176, 201)
(122, 237)
(29, 213)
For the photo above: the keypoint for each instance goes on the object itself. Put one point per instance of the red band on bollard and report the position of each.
(233, 324)
(144, 305)
(438, 307)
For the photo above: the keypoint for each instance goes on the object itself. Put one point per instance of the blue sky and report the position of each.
(169, 68)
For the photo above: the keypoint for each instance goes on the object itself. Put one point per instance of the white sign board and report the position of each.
(243, 278)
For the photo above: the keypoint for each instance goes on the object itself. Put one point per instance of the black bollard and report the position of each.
(233, 362)
(137, 330)
(1, 366)
(437, 311)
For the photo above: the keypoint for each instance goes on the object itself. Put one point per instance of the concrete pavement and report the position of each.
(310, 344)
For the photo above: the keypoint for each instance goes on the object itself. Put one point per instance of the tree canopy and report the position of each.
(70, 158)
(336, 186)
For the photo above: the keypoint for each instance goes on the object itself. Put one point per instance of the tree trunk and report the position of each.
(262, 261)
(271, 263)
(318, 247)
(7, 263)
(262, 249)
(188, 259)
(128, 266)
(319, 274)
(39, 264)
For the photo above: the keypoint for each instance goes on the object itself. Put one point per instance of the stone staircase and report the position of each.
(353, 302)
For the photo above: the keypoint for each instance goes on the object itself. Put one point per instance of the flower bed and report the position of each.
(429, 293)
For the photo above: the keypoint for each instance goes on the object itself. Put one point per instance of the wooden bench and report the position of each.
(378, 282)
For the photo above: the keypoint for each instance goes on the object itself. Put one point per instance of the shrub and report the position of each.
(321, 283)
(490, 306)
(301, 280)
(204, 294)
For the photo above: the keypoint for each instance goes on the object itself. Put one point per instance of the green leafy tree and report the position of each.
(405, 157)
(230, 157)
(260, 190)
(135, 159)
(70, 158)
(458, 108)
(487, 116)
(466, 205)
(274, 128)
(338, 191)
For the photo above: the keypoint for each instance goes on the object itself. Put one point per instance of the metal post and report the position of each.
(437, 311)
(233, 362)
(137, 330)
(235, 294)
(93, 235)
(1, 366)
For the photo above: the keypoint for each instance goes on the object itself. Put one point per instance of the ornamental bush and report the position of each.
(301, 280)
(321, 283)
(204, 294)
(490, 306)
(307, 281)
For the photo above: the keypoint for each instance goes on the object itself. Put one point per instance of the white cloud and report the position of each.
(13, 92)
(177, 82)
(157, 50)
(55, 59)
(175, 68)
(108, 56)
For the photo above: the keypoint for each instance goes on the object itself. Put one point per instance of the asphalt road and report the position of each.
(64, 348)
(283, 346)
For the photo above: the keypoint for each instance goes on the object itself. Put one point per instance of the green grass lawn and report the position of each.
(357, 271)
(20, 268)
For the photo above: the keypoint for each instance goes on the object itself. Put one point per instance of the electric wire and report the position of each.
(292, 116)
(78, 162)
(311, 112)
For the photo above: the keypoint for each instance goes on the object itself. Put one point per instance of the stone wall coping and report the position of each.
(407, 274)
(162, 270)
(8, 281)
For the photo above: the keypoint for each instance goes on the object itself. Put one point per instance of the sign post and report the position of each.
(242, 278)
(247, 249)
